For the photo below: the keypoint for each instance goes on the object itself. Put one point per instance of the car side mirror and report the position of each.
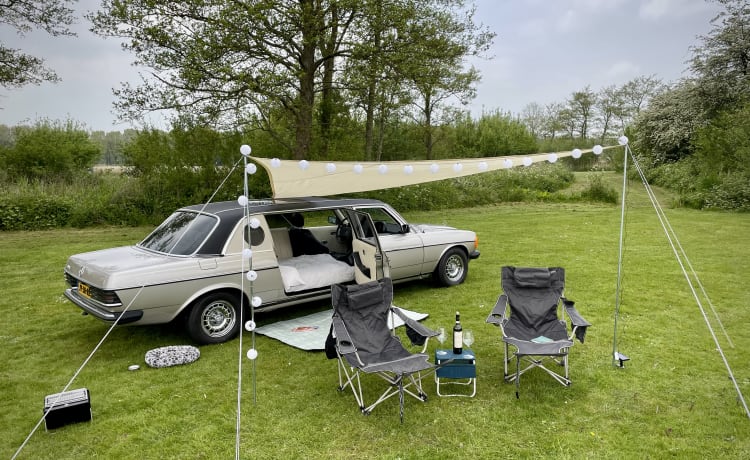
(405, 228)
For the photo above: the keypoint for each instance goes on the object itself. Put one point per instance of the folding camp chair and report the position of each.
(366, 344)
(533, 326)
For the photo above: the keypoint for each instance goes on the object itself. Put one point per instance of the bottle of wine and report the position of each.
(458, 336)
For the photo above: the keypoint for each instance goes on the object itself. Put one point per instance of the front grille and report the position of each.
(70, 279)
(102, 296)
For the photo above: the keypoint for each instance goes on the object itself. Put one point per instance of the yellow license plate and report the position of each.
(84, 289)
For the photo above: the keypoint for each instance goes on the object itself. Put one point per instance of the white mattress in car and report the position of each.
(313, 271)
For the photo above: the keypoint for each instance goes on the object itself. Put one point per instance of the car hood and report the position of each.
(115, 267)
(426, 228)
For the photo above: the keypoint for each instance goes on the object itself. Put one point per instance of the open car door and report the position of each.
(370, 263)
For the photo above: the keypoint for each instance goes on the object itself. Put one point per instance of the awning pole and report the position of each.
(616, 357)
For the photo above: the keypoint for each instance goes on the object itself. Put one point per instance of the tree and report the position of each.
(228, 64)
(258, 64)
(440, 39)
(666, 128)
(581, 106)
(18, 69)
(609, 103)
(554, 119)
(721, 63)
(370, 73)
(635, 95)
(533, 117)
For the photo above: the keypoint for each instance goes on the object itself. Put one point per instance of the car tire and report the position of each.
(452, 268)
(214, 318)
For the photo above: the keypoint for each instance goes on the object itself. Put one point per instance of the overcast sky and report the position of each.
(544, 51)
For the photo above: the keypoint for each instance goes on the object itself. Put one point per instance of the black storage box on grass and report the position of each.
(69, 407)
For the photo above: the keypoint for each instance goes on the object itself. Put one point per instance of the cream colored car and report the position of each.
(195, 265)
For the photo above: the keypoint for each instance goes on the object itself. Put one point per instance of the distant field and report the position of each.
(118, 169)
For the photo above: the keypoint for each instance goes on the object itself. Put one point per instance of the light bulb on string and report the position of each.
(526, 161)
(458, 167)
(251, 275)
(254, 223)
(256, 301)
(358, 168)
(576, 153)
(242, 200)
(330, 168)
(383, 169)
(622, 140)
(252, 354)
(245, 150)
(597, 149)
(552, 157)
(507, 163)
(250, 326)
(303, 164)
(251, 168)
(275, 163)
(434, 168)
(247, 253)
(408, 169)
(482, 166)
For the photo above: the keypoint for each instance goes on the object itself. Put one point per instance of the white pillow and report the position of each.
(291, 277)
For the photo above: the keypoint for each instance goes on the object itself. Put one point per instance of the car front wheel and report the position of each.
(214, 318)
(452, 268)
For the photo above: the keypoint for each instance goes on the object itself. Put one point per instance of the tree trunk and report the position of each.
(306, 97)
(369, 120)
(428, 125)
(327, 106)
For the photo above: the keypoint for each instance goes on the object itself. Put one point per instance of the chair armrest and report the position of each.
(497, 315)
(418, 333)
(418, 327)
(344, 342)
(578, 323)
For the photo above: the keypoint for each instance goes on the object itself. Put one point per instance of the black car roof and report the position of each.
(230, 212)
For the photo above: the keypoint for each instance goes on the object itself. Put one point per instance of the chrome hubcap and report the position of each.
(454, 267)
(218, 319)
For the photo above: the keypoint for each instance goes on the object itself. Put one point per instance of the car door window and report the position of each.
(384, 222)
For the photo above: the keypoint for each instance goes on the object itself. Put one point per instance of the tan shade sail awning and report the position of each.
(290, 178)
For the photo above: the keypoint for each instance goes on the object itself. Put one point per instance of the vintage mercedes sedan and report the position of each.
(205, 262)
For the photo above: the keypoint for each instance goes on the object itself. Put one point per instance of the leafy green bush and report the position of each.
(732, 193)
(33, 212)
(49, 150)
(535, 183)
(597, 190)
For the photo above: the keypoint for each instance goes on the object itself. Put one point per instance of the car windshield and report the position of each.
(181, 234)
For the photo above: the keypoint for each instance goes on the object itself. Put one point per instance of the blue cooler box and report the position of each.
(462, 369)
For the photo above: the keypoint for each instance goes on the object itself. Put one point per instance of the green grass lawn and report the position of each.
(673, 399)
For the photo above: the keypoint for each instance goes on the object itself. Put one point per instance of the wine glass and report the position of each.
(468, 338)
(441, 336)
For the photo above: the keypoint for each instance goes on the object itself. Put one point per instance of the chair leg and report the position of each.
(506, 359)
(401, 398)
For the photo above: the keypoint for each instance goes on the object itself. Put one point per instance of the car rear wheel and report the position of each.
(452, 268)
(214, 318)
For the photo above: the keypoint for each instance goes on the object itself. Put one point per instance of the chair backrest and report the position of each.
(533, 294)
(364, 308)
